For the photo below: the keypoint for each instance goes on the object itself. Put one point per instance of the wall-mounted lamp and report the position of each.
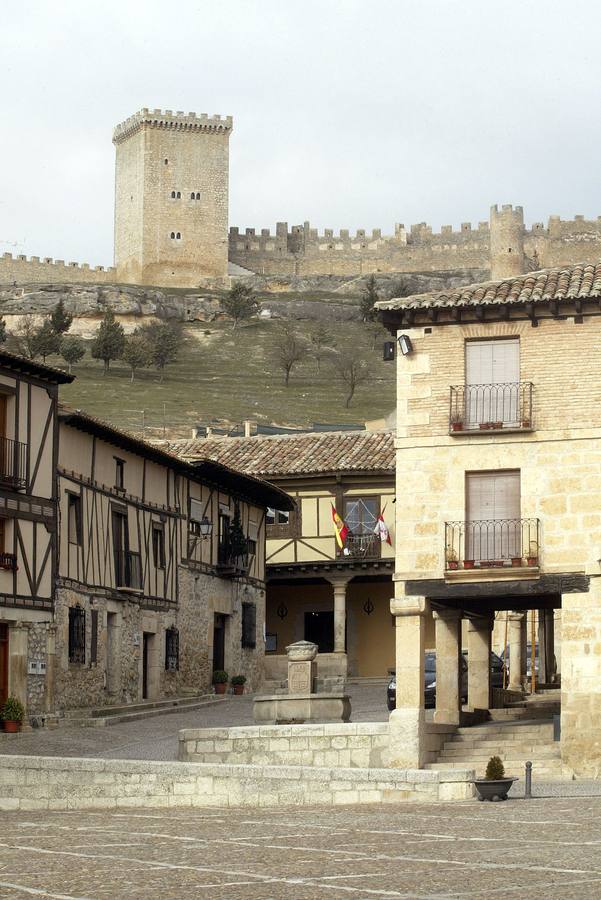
(405, 345)
(206, 528)
(388, 351)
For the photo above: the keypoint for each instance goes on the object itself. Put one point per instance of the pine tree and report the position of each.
(368, 298)
(109, 340)
(238, 542)
(136, 352)
(163, 340)
(46, 341)
(72, 350)
(240, 303)
(60, 319)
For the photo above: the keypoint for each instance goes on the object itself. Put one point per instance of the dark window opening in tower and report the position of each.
(509, 251)
(166, 162)
(192, 196)
(178, 236)
(198, 196)
(173, 235)
(173, 195)
(179, 195)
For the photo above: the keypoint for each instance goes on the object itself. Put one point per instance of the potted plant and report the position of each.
(484, 425)
(238, 682)
(451, 557)
(532, 557)
(12, 713)
(516, 561)
(526, 423)
(456, 422)
(468, 563)
(497, 425)
(495, 785)
(220, 679)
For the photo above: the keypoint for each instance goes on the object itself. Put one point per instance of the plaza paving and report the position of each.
(519, 849)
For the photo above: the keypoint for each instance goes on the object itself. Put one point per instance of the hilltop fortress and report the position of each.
(171, 226)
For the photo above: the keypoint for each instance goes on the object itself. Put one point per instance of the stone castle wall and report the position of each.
(36, 270)
(302, 250)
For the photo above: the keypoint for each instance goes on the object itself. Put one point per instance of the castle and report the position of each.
(171, 226)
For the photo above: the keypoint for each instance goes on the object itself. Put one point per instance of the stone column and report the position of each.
(517, 661)
(479, 632)
(407, 721)
(448, 666)
(17, 662)
(339, 585)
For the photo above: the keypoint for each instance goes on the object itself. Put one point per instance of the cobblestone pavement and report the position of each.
(519, 849)
(156, 737)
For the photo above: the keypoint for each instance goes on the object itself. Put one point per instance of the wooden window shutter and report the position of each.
(249, 625)
(94, 637)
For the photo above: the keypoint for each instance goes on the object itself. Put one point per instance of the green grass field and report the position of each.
(230, 375)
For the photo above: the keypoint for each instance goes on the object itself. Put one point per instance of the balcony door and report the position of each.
(492, 382)
(493, 526)
(120, 546)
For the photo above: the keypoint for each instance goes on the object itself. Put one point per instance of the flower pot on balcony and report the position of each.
(468, 563)
(456, 426)
(526, 423)
(484, 426)
(497, 425)
(11, 726)
(533, 560)
(516, 561)
(452, 564)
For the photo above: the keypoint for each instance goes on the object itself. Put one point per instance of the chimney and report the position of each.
(248, 425)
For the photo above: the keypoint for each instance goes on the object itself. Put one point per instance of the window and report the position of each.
(166, 162)
(198, 196)
(361, 514)
(249, 625)
(173, 235)
(173, 195)
(192, 196)
(77, 635)
(172, 649)
(158, 545)
(277, 516)
(94, 637)
(179, 195)
(119, 474)
(74, 518)
(251, 547)
(492, 382)
(178, 236)
(493, 526)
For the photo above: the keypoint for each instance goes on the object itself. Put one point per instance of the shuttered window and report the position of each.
(493, 499)
(492, 376)
(172, 650)
(249, 625)
(77, 634)
(94, 637)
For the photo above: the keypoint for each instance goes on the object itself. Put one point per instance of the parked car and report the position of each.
(496, 679)
(505, 656)
(429, 682)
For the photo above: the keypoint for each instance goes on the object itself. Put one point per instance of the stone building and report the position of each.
(499, 492)
(125, 573)
(317, 591)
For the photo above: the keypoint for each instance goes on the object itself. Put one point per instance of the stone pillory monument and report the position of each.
(171, 226)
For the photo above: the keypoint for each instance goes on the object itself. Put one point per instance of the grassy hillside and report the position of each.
(232, 375)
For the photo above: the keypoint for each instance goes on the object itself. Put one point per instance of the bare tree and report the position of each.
(26, 337)
(321, 337)
(352, 370)
(290, 350)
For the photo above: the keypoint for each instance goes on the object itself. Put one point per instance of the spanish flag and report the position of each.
(339, 527)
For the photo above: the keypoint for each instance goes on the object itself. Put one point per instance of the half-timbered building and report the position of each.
(161, 569)
(28, 526)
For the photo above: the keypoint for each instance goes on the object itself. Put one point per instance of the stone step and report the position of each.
(510, 728)
(541, 751)
(142, 706)
(468, 747)
(542, 768)
(122, 718)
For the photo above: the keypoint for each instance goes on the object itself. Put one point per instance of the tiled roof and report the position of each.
(38, 370)
(578, 282)
(333, 451)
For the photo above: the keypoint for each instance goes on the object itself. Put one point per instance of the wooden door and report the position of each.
(5, 460)
(218, 642)
(3, 663)
(145, 647)
(493, 528)
(492, 376)
(120, 544)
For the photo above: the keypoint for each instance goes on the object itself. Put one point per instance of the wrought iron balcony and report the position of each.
(229, 562)
(8, 561)
(492, 543)
(13, 464)
(361, 546)
(128, 570)
(491, 407)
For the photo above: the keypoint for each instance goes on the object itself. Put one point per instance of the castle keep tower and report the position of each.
(506, 242)
(171, 197)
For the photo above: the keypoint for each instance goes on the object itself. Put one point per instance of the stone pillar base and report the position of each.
(407, 731)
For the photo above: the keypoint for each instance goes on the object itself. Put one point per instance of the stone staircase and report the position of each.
(514, 740)
(116, 715)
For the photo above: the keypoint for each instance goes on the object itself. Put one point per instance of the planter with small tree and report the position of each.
(238, 682)
(451, 557)
(12, 713)
(495, 785)
(533, 554)
(456, 422)
(220, 679)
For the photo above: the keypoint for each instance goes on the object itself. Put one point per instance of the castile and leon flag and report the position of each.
(340, 528)
(381, 529)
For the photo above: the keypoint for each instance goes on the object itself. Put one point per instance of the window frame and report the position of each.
(172, 649)
(76, 647)
(248, 636)
(354, 499)
(74, 503)
(119, 473)
(289, 529)
(158, 545)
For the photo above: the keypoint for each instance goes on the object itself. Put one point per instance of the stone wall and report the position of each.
(33, 782)
(360, 744)
(53, 271)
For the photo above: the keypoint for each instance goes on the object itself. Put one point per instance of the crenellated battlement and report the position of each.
(39, 269)
(167, 119)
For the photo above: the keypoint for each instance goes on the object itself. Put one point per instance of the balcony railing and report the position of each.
(361, 546)
(492, 543)
(128, 570)
(230, 562)
(13, 464)
(8, 561)
(491, 407)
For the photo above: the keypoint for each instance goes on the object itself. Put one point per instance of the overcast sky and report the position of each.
(349, 113)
